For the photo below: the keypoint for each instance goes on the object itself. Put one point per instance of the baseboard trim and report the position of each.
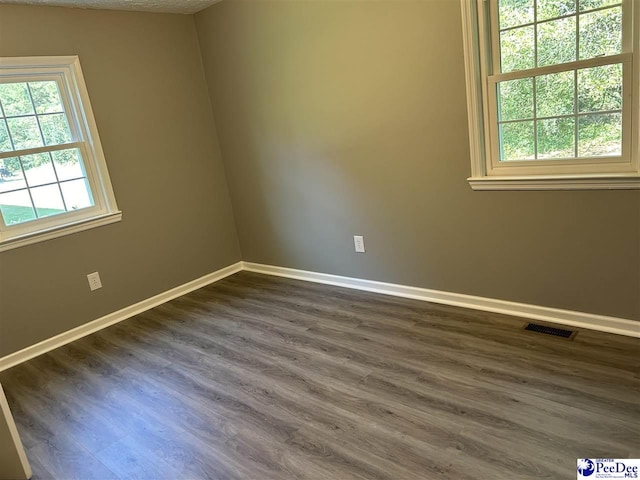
(69, 336)
(602, 323)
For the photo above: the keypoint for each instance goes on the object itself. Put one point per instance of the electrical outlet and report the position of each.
(94, 281)
(358, 241)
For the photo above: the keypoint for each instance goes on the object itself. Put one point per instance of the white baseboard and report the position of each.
(571, 318)
(69, 336)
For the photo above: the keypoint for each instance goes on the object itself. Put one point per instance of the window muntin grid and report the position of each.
(575, 133)
(40, 175)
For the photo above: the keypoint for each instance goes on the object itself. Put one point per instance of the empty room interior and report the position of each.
(319, 239)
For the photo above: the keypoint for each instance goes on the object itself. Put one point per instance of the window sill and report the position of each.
(59, 231)
(617, 182)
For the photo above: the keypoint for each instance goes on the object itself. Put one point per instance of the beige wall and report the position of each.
(144, 76)
(338, 118)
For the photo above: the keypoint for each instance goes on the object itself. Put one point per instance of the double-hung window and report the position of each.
(53, 177)
(552, 93)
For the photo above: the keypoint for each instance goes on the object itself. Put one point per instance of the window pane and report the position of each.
(47, 200)
(600, 88)
(601, 33)
(516, 99)
(557, 41)
(46, 97)
(38, 169)
(76, 194)
(55, 129)
(5, 141)
(556, 138)
(68, 164)
(517, 49)
(16, 207)
(554, 94)
(25, 132)
(516, 141)
(515, 12)
(15, 99)
(591, 4)
(11, 176)
(555, 8)
(600, 135)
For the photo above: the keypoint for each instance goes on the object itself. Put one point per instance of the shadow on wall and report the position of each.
(327, 135)
(343, 118)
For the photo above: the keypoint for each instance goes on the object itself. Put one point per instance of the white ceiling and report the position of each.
(166, 6)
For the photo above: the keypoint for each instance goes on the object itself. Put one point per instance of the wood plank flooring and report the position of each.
(259, 377)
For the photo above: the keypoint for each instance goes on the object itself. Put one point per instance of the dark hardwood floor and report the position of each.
(259, 377)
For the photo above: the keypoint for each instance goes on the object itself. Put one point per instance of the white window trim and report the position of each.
(483, 177)
(82, 123)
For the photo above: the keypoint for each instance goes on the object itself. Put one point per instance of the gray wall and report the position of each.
(343, 118)
(145, 79)
(335, 119)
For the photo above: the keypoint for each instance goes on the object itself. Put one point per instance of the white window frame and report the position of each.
(487, 173)
(66, 71)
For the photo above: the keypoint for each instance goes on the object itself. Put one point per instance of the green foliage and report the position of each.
(554, 94)
(591, 4)
(15, 99)
(55, 129)
(30, 162)
(46, 97)
(557, 41)
(555, 8)
(25, 127)
(601, 33)
(5, 141)
(516, 99)
(600, 88)
(516, 139)
(66, 157)
(12, 166)
(24, 132)
(515, 12)
(517, 49)
(565, 96)
(556, 138)
(599, 134)
(29, 128)
(9, 168)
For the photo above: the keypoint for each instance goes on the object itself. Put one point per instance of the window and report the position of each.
(552, 93)
(53, 177)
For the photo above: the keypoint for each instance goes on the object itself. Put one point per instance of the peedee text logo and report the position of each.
(608, 468)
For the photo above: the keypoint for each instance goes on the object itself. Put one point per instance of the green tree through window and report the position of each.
(576, 112)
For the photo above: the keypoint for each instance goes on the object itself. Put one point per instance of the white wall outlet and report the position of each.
(94, 281)
(358, 241)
